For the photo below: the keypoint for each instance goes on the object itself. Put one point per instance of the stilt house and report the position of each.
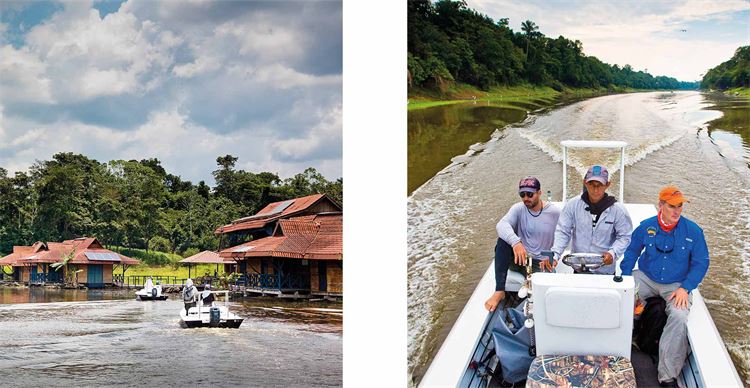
(91, 264)
(303, 253)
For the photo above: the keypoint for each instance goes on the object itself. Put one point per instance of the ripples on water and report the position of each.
(128, 342)
(681, 138)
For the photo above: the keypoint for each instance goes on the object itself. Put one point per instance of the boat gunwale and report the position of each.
(446, 370)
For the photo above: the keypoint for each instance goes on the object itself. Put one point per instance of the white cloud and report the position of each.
(326, 133)
(201, 65)
(183, 82)
(282, 77)
(707, 10)
(3, 31)
(23, 76)
(89, 57)
(263, 40)
(2, 125)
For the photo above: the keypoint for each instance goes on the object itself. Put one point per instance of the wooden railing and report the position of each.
(275, 281)
(51, 277)
(139, 280)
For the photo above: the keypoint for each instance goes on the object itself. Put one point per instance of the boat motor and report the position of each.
(153, 292)
(215, 317)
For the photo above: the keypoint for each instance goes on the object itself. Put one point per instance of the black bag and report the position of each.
(649, 327)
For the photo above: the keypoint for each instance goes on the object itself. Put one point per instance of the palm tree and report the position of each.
(529, 28)
(71, 280)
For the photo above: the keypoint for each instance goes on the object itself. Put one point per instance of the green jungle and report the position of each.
(456, 53)
(137, 207)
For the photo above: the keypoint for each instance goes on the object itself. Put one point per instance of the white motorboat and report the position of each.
(150, 292)
(207, 313)
(568, 320)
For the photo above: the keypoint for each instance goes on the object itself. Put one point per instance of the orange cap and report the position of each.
(672, 195)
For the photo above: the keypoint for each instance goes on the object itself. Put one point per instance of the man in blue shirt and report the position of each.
(672, 259)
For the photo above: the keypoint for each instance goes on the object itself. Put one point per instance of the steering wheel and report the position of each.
(583, 262)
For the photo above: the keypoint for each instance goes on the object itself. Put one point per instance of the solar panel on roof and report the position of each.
(243, 249)
(102, 256)
(280, 207)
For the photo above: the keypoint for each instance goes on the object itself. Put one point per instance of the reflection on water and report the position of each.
(65, 338)
(438, 134)
(731, 132)
(697, 142)
(44, 294)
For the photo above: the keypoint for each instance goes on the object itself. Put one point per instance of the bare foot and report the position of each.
(494, 300)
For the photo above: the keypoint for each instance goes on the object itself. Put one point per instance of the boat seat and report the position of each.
(580, 371)
(514, 281)
(582, 314)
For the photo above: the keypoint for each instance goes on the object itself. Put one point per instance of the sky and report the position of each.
(679, 39)
(183, 82)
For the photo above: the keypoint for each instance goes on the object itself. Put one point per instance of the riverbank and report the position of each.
(509, 97)
(739, 92)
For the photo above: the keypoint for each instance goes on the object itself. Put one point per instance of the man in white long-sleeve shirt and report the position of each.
(527, 228)
(595, 222)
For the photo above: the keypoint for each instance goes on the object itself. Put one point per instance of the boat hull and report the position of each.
(149, 297)
(228, 323)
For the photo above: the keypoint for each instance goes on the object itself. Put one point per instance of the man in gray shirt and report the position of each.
(595, 222)
(527, 228)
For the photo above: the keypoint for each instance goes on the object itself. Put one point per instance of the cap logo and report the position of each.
(597, 170)
(527, 183)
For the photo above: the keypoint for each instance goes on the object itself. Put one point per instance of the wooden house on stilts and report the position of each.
(295, 247)
(88, 262)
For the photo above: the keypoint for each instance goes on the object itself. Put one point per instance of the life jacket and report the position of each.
(648, 329)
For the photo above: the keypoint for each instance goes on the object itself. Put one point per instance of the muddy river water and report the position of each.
(105, 338)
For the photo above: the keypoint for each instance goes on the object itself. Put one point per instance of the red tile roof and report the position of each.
(329, 242)
(266, 215)
(261, 247)
(317, 237)
(10, 259)
(54, 252)
(205, 257)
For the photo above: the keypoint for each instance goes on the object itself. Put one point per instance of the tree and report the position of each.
(529, 28)
(71, 280)
(138, 204)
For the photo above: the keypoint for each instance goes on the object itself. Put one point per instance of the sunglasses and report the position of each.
(525, 194)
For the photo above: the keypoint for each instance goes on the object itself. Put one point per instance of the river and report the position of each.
(106, 338)
(699, 142)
